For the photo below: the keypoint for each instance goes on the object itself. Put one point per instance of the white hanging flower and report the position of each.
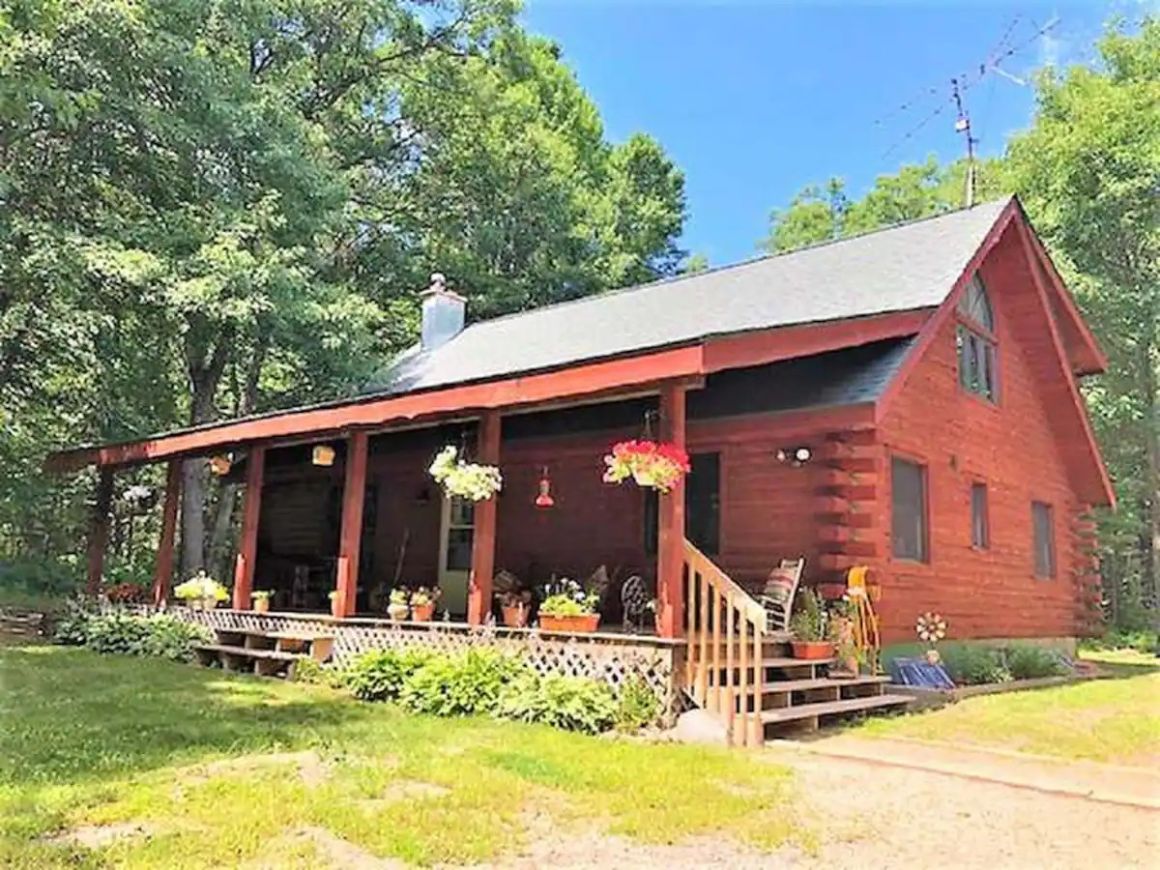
(470, 480)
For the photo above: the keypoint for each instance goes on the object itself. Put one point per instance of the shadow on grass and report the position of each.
(71, 716)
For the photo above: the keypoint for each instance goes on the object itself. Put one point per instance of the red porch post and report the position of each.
(99, 529)
(350, 538)
(248, 546)
(163, 571)
(671, 525)
(483, 542)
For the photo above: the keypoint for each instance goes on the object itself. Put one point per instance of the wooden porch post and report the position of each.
(350, 538)
(483, 541)
(99, 529)
(163, 571)
(251, 512)
(671, 522)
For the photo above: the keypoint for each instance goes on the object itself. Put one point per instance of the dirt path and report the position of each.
(869, 816)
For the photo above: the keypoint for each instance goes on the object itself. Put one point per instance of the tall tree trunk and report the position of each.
(205, 373)
(221, 531)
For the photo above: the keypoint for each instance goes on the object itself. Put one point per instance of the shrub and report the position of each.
(462, 685)
(159, 635)
(378, 675)
(1140, 641)
(308, 670)
(638, 706)
(1028, 662)
(972, 664)
(72, 627)
(571, 703)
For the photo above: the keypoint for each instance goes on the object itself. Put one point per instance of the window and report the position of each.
(980, 523)
(976, 347)
(702, 506)
(908, 495)
(1042, 524)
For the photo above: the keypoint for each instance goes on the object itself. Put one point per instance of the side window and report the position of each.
(980, 521)
(1043, 530)
(908, 502)
(975, 342)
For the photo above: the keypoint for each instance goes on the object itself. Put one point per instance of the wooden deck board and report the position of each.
(832, 708)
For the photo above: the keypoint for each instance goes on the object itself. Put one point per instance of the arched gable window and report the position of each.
(978, 354)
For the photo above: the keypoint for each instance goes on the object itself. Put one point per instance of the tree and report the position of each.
(1089, 171)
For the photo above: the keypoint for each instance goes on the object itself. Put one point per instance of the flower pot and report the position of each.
(515, 616)
(398, 612)
(423, 612)
(262, 605)
(201, 603)
(579, 623)
(812, 649)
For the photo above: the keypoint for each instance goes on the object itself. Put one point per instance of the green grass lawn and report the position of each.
(96, 740)
(1110, 720)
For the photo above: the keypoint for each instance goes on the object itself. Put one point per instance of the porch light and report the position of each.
(544, 498)
(322, 455)
(220, 465)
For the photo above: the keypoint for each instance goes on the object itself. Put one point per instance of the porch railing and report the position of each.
(725, 643)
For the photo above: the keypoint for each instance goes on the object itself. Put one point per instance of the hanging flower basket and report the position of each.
(469, 480)
(650, 464)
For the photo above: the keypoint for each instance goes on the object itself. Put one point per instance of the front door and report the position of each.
(457, 530)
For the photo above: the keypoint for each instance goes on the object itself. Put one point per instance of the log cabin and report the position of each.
(907, 400)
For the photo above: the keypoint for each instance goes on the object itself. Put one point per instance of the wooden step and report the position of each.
(248, 652)
(832, 708)
(777, 687)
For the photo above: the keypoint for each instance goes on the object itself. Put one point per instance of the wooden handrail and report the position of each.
(725, 628)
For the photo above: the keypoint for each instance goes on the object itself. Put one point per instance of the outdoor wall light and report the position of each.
(796, 456)
(220, 465)
(322, 455)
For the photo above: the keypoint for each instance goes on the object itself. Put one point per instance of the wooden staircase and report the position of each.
(743, 673)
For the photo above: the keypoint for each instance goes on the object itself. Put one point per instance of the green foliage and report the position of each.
(32, 579)
(251, 232)
(808, 621)
(1140, 641)
(1029, 662)
(157, 635)
(638, 706)
(570, 703)
(974, 664)
(379, 675)
(461, 685)
(307, 670)
(71, 628)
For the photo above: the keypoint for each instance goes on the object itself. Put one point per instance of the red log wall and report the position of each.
(1015, 448)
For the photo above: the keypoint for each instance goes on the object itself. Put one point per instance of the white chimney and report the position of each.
(443, 313)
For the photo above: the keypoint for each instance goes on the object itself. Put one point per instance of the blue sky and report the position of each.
(756, 99)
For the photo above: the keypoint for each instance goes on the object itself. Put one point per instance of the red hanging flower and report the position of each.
(657, 465)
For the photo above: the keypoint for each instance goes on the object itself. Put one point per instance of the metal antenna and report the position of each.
(963, 125)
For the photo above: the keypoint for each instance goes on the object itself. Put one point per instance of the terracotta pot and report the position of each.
(398, 612)
(812, 649)
(515, 616)
(423, 612)
(262, 605)
(584, 622)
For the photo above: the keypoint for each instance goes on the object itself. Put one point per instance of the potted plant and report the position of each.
(809, 627)
(653, 465)
(261, 599)
(470, 480)
(514, 606)
(570, 609)
(398, 607)
(423, 603)
(850, 657)
(201, 592)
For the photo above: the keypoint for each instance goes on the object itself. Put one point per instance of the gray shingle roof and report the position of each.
(898, 269)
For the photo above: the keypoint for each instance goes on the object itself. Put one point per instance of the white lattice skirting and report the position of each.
(612, 658)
